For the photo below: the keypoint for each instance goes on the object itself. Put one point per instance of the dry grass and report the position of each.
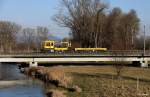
(99, 81)
(103, 86)
(77, 88)
(132, 72)
(52, 74)
(55, 93)
(58, 74)
(88, 69)
(30, 71)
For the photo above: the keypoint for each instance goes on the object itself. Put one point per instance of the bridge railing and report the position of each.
(91, 53)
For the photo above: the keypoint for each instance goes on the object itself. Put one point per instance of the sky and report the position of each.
(32, 13)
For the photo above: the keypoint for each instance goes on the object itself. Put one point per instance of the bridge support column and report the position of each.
(144, 63)
(33, 64)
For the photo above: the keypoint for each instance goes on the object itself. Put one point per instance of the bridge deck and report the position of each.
(126, 56)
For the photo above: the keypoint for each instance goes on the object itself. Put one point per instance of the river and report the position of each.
(15, 84)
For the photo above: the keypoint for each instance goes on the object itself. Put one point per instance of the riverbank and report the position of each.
(93, 81)
(56, 76)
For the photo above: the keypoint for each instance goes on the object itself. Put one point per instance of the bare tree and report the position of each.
(129, 29)
(92, 26)
(121, 30)
(125, 29)
(41, 35)
(28, 38)
(119, 67)
(8, 31)
(83, 20)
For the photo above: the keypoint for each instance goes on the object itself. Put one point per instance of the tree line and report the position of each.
(93, 24)
(14, 38)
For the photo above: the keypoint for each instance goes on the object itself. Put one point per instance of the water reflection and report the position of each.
(30, 88)
(22, 91)
(10, 72)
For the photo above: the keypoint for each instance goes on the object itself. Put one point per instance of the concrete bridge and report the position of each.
(33, 59)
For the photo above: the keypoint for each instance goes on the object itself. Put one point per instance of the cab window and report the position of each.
(48, 44)
(52, 44)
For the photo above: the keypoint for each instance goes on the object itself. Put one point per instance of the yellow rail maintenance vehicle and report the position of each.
(54, 46)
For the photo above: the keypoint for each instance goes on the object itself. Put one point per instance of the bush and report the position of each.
(55, 93)
(58, 76)
(30, 71)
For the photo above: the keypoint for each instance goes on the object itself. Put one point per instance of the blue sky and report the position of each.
(39, 12)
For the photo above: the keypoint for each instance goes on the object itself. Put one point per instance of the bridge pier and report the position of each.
(33, 64)
(144, 63)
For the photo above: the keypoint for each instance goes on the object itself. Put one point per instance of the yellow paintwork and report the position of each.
(90, 49)
(49, 44)
(60, 49)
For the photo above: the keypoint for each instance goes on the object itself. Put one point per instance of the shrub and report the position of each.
(30, 71)
(55, 93)
(57, 75)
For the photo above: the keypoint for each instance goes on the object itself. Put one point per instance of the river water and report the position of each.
(15, 84)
